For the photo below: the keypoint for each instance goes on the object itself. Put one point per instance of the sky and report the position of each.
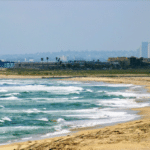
(77, 25)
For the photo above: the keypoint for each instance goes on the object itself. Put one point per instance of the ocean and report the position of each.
(43, 108)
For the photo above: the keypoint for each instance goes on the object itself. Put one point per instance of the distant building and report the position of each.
(36, 65)
(31, 60)
(130, 61)
(63, 58)
(6, 64)
(139, 52)
(119, 59)
(149, 50)
(144, 50)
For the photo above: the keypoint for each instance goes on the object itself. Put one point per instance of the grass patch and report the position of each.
(110, 73)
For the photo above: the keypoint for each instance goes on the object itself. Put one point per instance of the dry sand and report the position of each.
(133, 135)
(19, 77)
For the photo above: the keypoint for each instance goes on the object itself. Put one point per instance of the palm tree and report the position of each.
(56, 58)
(42, 61)
(47, 58)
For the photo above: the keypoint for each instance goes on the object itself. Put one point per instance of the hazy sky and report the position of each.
(54, 25)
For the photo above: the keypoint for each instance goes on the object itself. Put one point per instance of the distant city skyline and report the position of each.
(51, 26)
(68, 55)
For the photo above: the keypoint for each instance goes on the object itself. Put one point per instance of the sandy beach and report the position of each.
(133, 135)
(19, 77)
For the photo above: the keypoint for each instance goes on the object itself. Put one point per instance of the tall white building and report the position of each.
(149, 50)
(144, 50)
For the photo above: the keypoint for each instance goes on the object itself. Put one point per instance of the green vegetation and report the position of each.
(111, 73)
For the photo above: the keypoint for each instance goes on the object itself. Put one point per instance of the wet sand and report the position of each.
(133, 135)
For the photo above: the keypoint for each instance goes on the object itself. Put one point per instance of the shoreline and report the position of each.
(130, 134)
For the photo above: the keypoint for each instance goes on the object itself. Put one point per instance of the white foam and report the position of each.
(103, 116)
(43, 119)
(89, 116)
(59, 100)
(101, 84)
(17, 128)
(69, 82)
(34, 110)
(75, 97)
(84, 110)
(89, 90)
(2, 90)
(27, 138)
(117, 85)
(89, 123)
(136, 87)
(122, 103)
(71, 111)
(11, 94)
(99, 113)
(26, 127)
(9, 98)
(59, 120)
(8, 82)
(102, 91)
(52, 100)
(6, 118)
(56, 133)
(52, 89)
(130, 94)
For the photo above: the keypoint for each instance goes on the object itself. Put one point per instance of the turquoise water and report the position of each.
(42, 108)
